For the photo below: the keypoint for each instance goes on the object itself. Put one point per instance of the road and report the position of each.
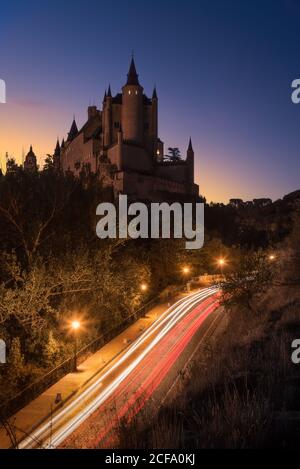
(128, 384)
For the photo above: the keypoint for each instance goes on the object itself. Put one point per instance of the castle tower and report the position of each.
(190, 163)
(157, 146)
(103, 119)
(30, 163)
(154, 119)
(107, 112)
(56, 155)
(120, 149)
(92, 112)
(73, 131)
(132, 108)
(57, 149)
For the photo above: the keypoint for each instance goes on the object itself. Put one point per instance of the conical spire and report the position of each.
(190, 148)
(109, 92)
(132, 76)
(154, 95)
(31, 152)
(73, 131)
(62, 144)
(57, 149)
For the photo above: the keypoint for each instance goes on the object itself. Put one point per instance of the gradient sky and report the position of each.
(223, 71)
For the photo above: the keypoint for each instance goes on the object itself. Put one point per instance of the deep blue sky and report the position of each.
(223, 71)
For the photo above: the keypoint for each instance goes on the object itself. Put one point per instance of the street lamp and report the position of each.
(144, 287)
(221, 263)
(272, 257)
(186, 270)
(75, 325)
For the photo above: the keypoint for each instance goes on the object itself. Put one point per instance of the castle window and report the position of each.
(158, 152)
(129, 92)
(136, 92)
(117, 125)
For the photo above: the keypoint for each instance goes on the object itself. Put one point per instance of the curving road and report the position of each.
(145, 368)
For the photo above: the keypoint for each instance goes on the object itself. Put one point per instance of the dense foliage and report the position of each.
(52, 265)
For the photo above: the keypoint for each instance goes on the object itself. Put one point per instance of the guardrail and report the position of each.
(36, 388)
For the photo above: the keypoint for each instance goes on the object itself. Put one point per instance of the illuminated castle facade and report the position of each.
(120, 143)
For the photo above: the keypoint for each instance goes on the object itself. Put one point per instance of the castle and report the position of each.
(120, 144)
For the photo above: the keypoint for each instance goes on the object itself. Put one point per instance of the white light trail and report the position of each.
(171, 316)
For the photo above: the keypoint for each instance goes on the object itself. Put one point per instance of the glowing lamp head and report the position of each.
(185, 270)
(221, 262)
(272, 257)
(75, 325)
(144, 287)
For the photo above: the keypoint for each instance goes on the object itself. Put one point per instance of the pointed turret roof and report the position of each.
(132, 76)
(31, 152)
(190, 148)
(73, 131)
(154, 95)
(62, 144)
(57, 149)
(109, 92)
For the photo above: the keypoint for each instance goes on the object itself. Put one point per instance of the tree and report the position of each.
(49, 163)
(30, 206)
(174, 154)
(288, 257)
(11, 165)
(24, 297)
(15, 358)
(250, 279)
(51, 350)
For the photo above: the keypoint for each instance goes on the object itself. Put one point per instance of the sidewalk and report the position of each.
(28, 418)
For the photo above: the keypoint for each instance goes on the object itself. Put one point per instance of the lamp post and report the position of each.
(185, 272)
(75, 327)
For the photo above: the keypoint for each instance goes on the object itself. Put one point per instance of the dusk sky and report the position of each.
(223, 71)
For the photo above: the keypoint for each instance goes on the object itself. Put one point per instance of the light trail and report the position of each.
(158, 372)
(107, 392)
(166, 322)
